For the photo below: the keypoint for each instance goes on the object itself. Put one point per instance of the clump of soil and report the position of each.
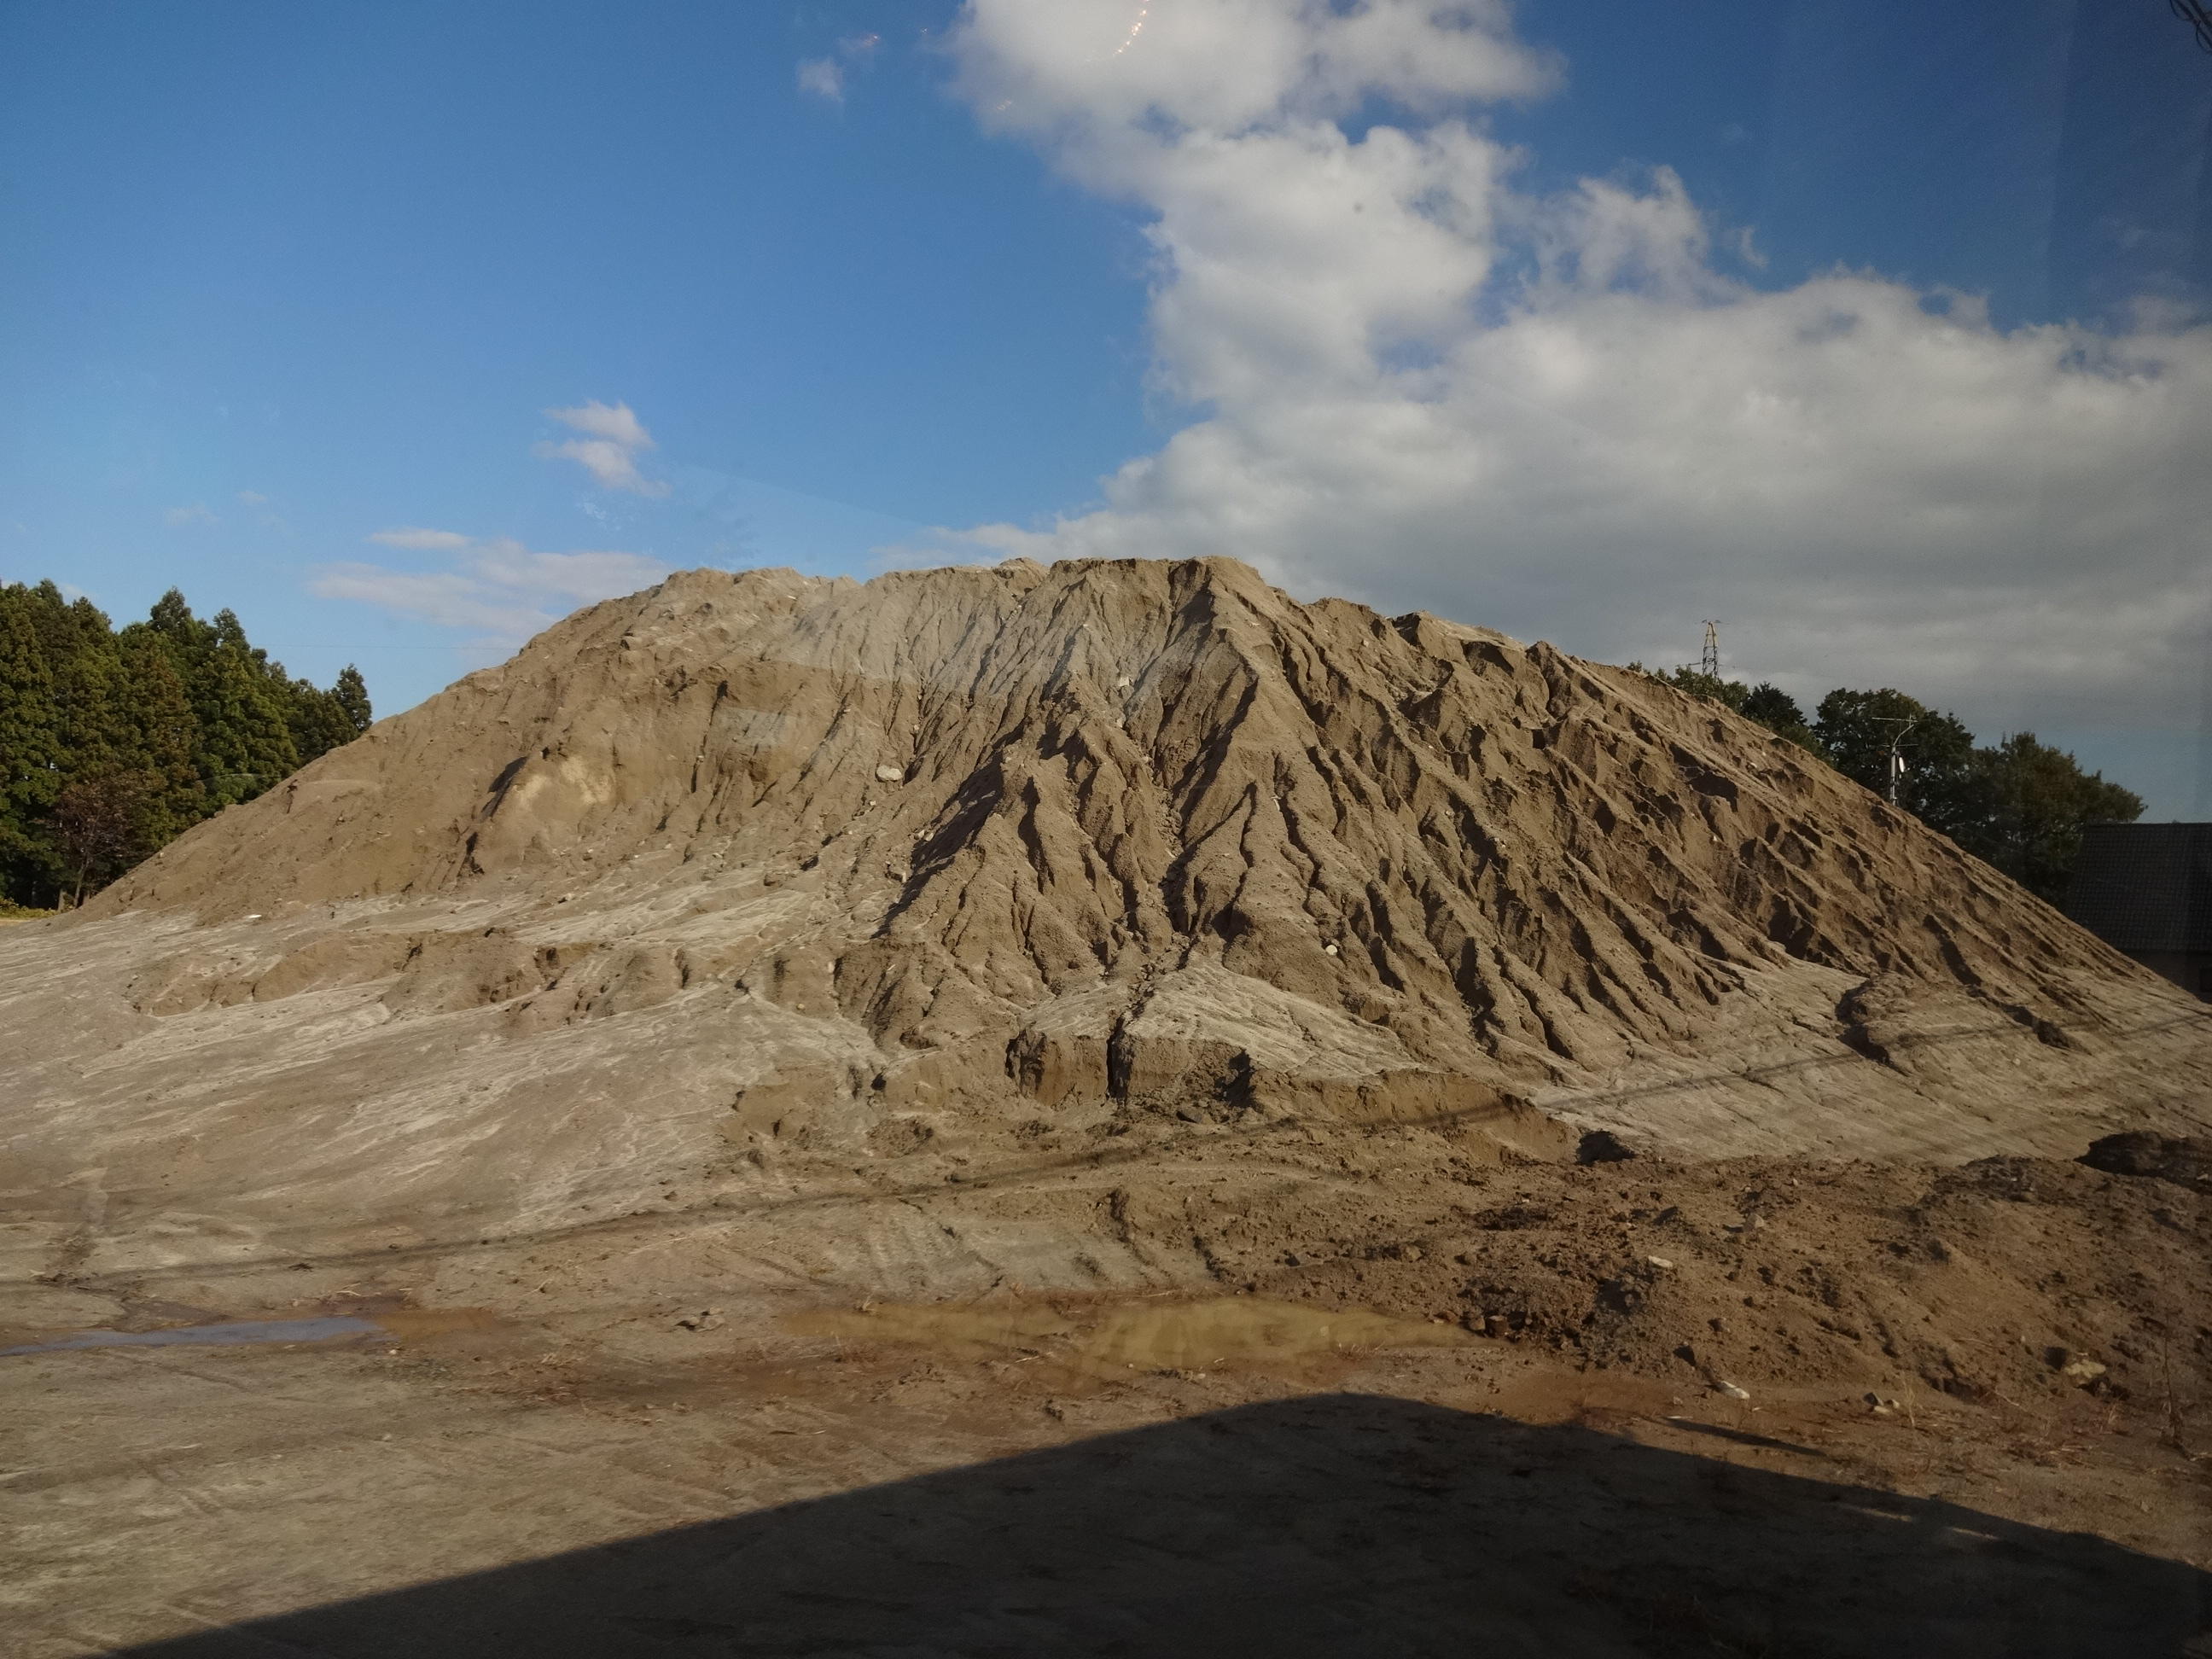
(2184, 1161)
(2007, 1280)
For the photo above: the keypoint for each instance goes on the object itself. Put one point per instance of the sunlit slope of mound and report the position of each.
(765, 866)
(1108, 772)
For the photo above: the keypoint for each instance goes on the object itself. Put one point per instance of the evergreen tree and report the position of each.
(318, 719)
(351, 692)
(30, 748)
(246, 742)
(49, 618)
(187, 637)
(164, 740)
(111, 745)
(89, 694)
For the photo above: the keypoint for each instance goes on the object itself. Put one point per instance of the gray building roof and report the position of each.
(2145, 887)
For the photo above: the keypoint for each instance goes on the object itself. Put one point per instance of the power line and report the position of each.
(1710, 667)
(2193, 13)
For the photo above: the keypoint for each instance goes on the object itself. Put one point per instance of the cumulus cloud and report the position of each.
(421, 540)
(1419, 384)
(497, 587)
(613, 438)
(177, 517)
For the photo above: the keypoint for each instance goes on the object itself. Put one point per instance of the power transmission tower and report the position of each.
(1710, 667)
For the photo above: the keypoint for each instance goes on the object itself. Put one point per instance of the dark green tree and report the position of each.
(164, 737)
(172, 619)
(30, 748)
(2020, 804)
(318, 718)
(57, 626)
(90, 695)
(111, 745)
(2038, 800)
(245, 740)
(1727, 693)
(1772, 706)
(1777, 711)
(1943, 785)
(352, 694)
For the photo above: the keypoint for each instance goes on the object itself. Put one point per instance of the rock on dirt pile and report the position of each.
(755, 870)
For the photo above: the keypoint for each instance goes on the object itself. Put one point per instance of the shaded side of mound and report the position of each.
(1495, 858)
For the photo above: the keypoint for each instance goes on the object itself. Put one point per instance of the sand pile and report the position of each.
(751, 882)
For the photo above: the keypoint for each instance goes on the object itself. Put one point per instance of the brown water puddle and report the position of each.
(416, 1324)
(358, 1318)
(229, 1333)
(1222, 1332)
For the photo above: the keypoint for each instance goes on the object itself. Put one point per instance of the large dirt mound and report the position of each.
(757, 876)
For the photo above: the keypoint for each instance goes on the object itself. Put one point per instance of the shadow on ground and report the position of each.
(1338, 1525)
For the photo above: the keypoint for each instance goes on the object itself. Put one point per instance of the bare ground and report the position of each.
(1083, 1111)
(1481, 1406)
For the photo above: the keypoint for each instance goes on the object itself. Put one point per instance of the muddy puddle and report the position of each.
(230, 1333)
(1115, 1341)
(412, 1324)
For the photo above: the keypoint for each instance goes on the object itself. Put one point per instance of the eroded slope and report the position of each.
(755, 879)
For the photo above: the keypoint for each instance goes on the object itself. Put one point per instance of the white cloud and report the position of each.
(1420, 384)
(421, 540)
(824, 77)
(617, 423)
(499, 587)
(198, 512)
(251, 498)
(613, 439)
(1114, 89)
(610, 465)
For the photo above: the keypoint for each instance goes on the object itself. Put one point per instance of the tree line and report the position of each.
(2017, 804)
(112, 742)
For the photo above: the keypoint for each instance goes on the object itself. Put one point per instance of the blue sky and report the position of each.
(279, 279)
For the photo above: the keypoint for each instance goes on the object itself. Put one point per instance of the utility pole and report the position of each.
(1897, 755)
(1711, 668)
